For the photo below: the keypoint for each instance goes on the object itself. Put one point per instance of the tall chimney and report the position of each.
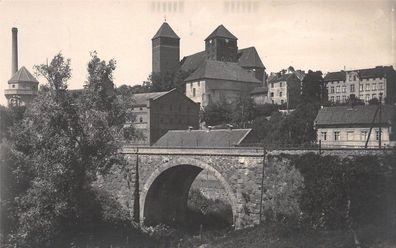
(14, 62)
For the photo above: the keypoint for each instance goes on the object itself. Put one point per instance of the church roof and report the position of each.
(165, 31)
(248, 57)
(203, 138)
(222, 32)
(212, 69)
(22, 75)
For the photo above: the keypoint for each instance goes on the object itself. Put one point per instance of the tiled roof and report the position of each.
(191, 62)
(165, 31)
(347, 115)
(335, 76)
(259, 90)
(203, 138)
(222, 32)
(248, 57)
(280, 78)
(377, 72)
(22, 75)
(213, 69)
(142, 98)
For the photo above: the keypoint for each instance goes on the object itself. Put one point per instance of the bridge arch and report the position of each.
(175, 176)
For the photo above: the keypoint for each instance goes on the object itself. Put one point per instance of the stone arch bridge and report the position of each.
(155, 182)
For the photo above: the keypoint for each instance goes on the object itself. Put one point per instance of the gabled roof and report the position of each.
(248, 57)
(376, 72)
(191, 62)
(212, 69)
(222, 32)
(203, 138)
(357, 115)
(22, 75)
(142, 98)
(281, 78)
(165, 31)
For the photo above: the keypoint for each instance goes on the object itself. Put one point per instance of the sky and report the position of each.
(317, 35)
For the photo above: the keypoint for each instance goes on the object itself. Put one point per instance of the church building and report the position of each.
(221, 72)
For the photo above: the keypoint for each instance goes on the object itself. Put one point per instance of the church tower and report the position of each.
(221, 45)
(165, 50)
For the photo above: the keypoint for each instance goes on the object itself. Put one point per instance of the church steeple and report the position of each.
(221, 45)
(165, 50)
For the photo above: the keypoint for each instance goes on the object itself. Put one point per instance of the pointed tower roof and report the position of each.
(165, 31)
(222, 32)
(22, 75)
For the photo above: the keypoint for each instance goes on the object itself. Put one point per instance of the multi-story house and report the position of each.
(364, 84)
(345, 126)
(284, 89)
(156, 113)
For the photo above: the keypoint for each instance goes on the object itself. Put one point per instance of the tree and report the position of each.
(169, 80)
(65, 143)
(313, 89)
(217, 114)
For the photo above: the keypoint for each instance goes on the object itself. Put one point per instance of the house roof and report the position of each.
(203, 138)
(165, 31)
(376, 72)
(248, 57)
(357, 115)
(280, 78)
(212, 69)
(23, 75)
(191, 62)
(259, 90)
(222, 32)
(142, 98)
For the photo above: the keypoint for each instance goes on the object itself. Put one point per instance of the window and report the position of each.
(352, 88)
(199, 83)
(332, 98)
(367, 97)
(377, 133)
(280, 94)
(227, 40)
(337, 135)
(338, 99)
(282, 102)
(280, 84)
(361, 97)
(141, 108)
(374, 86)
(332, 89)
(191, 85)
(272, 85)
(141, 119)
(338, 89)
(343, 98)
(194, 93)
(350, 135)
(367, 87)
(381, 86)
(363, 135)
(361, 87)
(13, 86)
(272, 94)
(324, 135)
(374, 96)
(344, 88)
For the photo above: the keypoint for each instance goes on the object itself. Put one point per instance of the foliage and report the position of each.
(343, 193)
(59, 148)
(217, 114)
(8, 118)
(282, 186)
(169, 80)
(313, 89)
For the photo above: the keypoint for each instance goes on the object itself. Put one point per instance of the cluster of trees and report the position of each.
(53, 150)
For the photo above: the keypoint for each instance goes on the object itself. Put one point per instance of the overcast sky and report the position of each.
(318, 35)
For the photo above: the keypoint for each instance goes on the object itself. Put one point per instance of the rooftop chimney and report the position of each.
(14, 62)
